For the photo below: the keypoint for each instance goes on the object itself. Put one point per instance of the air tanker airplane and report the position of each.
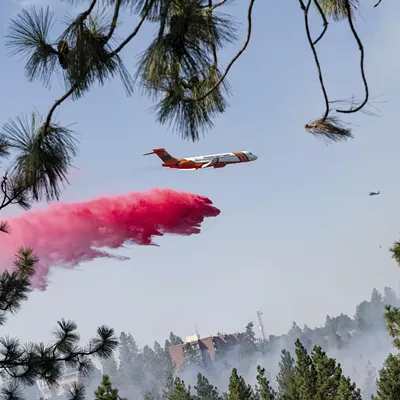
(213, 160)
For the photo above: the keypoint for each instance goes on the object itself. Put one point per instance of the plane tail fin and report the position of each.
(163, 154)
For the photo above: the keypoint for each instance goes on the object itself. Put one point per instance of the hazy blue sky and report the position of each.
(298, 236)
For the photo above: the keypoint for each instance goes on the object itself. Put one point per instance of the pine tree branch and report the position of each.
(14, 196)
(87, 12)
(36, 361)
(114, 20)
(15, 285)
(135, 31)
(218, 5)
(6, 200)
(361, 48)
(55, 105)
(377, 4)
(310, 41)
(213, 46)
(164, 8)
(249, 27)
(81, 18)
(325, 22)
(9, 299)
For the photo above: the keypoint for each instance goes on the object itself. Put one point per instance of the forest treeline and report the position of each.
(294, 366)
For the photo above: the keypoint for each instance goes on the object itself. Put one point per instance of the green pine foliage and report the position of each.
(286, 378)
(205, 390)
(179, 69)
(238, 388)
(263, 391)
(388, 387)
(35, 156)
(180, 391)
(105, 391)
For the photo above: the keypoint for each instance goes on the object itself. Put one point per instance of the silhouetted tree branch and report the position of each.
(328, 127)
(38, 166)
(361, 48)
(324, 20)
(179, 68)
(240, 52)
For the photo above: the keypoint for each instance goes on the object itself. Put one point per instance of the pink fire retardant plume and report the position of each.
(67, 234)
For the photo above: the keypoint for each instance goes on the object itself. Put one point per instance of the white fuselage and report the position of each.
(223, 158)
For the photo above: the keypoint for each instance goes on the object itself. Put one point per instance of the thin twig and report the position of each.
(251, 4)
(213, 47)
(164, 9)
(7, 200)
(4, 190)
(81, 18)
(135, 31)
(218, 5)
(112, 54)
(114, 20)
(325, 22)
(310, 41)
(87, 12)
(377, 4)
(361, 48)
(55, 105)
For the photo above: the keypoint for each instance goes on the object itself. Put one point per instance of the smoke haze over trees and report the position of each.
(359, 343)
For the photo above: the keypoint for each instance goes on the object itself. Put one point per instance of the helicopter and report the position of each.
(374, 193)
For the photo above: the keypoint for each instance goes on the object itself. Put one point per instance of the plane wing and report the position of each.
(211, 163)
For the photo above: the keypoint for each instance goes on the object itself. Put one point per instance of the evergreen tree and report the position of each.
(180, 391)
(376, 299)
(109, 367)
(169, 386)
(264, 391)
(390, 297)
(369, 387)
(105, 391)
(328, 375)
(149, 365)
(347, 390)
(174, 340)
(90, 380)
(392, 317)
(164, 359)
(377, 310)
(363, 317)
(126, 362)
(306, 376)
(204, 389)
(248, 341)
(371, 315)
(286, 378)
(295, 333)
(238, 389)
(388, 383)
(341, 324)
(128, 349)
